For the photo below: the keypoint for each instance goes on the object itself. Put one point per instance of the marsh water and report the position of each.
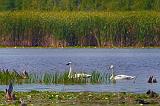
(136, 62)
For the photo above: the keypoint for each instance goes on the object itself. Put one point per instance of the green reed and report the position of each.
(7, 76)
(103, 29)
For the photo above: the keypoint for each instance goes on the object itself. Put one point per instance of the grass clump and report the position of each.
(7, 76)
(62, 78)
(51, 78)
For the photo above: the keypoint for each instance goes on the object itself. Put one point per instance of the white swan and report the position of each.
(120, 77)
(76, 75)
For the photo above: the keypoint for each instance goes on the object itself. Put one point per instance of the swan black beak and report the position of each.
(68, 64)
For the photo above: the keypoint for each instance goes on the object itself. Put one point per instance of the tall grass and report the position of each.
(76, 5)
(7, 76)
(62, 78)
(103, 29)
(51, 78)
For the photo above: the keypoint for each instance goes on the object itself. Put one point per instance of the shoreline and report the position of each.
(88, 47)
(82, 98)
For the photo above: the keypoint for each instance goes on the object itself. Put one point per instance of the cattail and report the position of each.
(103, 29)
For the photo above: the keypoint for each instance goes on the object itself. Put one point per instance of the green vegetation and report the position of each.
(7, 76)
(61, 29)
(79, 5)
(51, 78)
(80, 23)
(81, 98)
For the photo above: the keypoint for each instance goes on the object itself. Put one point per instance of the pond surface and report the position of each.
(136, 62)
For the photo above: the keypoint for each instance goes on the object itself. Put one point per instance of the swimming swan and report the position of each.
(76, 75)
(119, 77)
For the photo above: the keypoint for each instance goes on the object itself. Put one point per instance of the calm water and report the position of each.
(137, 62)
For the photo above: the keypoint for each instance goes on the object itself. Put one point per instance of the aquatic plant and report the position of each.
(7, 76)
(51, 78)
(62, 78)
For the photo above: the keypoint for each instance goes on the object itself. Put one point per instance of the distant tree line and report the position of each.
(80, 5)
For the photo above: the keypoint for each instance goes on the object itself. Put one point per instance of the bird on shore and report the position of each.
(119, 77)
(76, 75)
(9, 93)
(152, 93)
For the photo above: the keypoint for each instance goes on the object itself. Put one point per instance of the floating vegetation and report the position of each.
(51, 78)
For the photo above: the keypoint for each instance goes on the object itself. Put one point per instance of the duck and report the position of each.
(152, 80)
(120, 77)
(76, 75)
(152, 93)
(24, 74)
(9, 93)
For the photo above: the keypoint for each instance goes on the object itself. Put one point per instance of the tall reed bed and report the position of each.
(62, 78)
(103, 29)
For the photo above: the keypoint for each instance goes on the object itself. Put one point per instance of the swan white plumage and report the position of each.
(76, 75)
(119, 77)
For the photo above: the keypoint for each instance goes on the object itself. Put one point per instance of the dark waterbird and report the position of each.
(152, 80)
(152, 93)
(9, 93)
(141, 101)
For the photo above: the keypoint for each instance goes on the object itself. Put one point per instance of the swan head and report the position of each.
(111, 67)
(69, 63)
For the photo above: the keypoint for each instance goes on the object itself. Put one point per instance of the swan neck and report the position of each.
(70, 70)
(112, 72)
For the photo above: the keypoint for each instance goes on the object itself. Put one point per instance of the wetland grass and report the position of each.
(51, 78)
(65, 29)
(62, 78)
(7, 76)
